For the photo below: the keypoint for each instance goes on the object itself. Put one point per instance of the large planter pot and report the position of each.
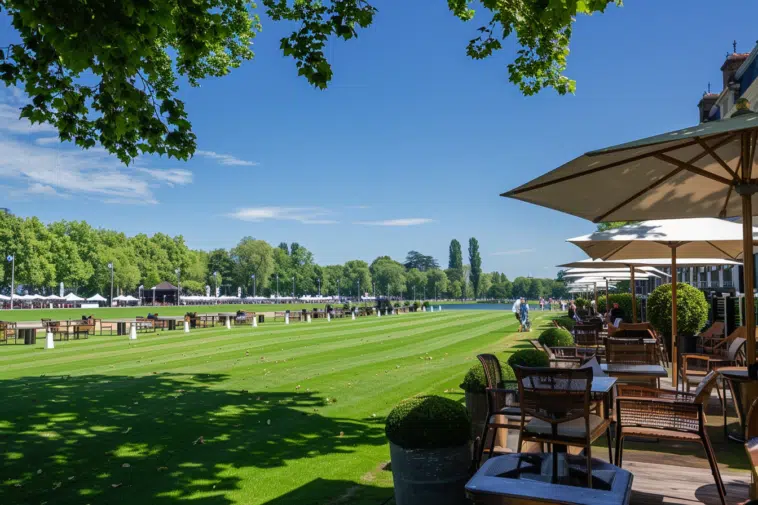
(430, 476)
(476, 404)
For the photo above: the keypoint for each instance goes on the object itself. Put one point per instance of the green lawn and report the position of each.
(273, 415)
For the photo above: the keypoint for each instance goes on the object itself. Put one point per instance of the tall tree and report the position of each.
(475, 262)
(356, 277)
(389, 276)
(455, 255)
(419, 261)
(118, 85)
(252, 257)
(436, 282)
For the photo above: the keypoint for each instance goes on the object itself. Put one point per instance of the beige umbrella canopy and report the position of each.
(702, 171)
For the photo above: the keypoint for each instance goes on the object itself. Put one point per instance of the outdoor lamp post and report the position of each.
(424, 293)
(277, 286)
(215, 284)
(318, 279)
(110, 266)
(12, 259)
(178, 271)
(338, 290)
(293, 286)
(414, 293)
(357, 289)
(254, 284)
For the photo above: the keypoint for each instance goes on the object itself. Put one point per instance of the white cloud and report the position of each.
(169, 176)
(44, 141)
(512, 252)
(410, 221)
(11, 123)
(42, 189)
(304, 215)
(226, 159)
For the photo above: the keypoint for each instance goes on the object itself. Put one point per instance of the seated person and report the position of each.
(616, 313)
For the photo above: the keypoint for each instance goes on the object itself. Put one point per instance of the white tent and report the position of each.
(6, 298)
(130, 298)
(120, 298)
(97, 298)
(71, 297)
(52, 297)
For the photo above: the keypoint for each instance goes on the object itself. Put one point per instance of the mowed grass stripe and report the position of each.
(200, 346)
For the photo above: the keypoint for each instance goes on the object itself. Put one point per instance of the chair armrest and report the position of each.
(642, 392)
(702, 357)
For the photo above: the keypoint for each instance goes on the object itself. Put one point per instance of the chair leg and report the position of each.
(480, 452)
(610, 451)
(492, 444)
(588, 450)
(619, 445)
(714, 467)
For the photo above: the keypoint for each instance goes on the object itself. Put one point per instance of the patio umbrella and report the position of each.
(702, 171)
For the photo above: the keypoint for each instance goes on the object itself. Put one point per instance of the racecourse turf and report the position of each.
(270, 415)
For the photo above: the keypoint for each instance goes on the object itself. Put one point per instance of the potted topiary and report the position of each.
(474, 385)
(415, 306)
(430, 449)
(556, 337)
(691, 313)
(529, 358)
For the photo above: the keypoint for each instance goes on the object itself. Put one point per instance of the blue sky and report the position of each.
(408, 148)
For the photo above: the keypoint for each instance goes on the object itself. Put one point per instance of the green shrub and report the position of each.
(556, 337)
(428, 422)
(475, 382)
(566, 322)
(529, 358)
(691, 309)
(426, 304)
(581, 303)
(625, 303)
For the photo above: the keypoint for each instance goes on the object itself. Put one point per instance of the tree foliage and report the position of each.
(108, 73)
(419, 261)
(475, 264)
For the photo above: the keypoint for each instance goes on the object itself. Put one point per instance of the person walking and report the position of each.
(517, 311)
(524, 316)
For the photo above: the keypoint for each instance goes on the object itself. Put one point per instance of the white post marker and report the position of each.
(328, 317)
(308, 317)
(431, 308)
(49, 342)
(186, 326)
(378, 313)
(133, 331)
(287, 318)
(439, 309)
(228, 323)
(255, 322)
(423, 309)
(353, 313)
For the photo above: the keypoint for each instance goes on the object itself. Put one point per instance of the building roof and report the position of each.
(734, 57)
(164, 286)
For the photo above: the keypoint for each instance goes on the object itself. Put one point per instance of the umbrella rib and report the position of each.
(591, 171)
(720, 250)
(615, 251)
(718, 158)
(692, 168)
(639, 194)
(722, 214)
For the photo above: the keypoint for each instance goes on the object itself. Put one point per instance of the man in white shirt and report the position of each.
(517, 310)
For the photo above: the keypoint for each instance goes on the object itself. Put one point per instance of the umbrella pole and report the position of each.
(595, 286)
(674, 339)
(633, 288)
(748, 269)
(607, 298)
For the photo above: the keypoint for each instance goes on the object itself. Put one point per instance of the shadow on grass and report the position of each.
(334, 492)
(118, 439)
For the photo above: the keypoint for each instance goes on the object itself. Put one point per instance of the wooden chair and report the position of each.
(656, 413)
(7, 330)
(695, 366)
(645, 330)
(707, 339)
(586, 335)
(751, 447)
(558, 400)
(502, 405)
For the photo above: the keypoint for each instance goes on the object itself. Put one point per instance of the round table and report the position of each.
(744, 390)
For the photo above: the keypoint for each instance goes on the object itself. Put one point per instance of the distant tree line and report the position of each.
(75, 253)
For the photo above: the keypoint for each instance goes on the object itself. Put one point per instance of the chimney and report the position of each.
(730, 66)
(705, 104)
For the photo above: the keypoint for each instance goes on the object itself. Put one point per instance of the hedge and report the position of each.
(475, 382)
(529, 358)
(566, 322)
(428, 422)
(556, 337)
(691, 309)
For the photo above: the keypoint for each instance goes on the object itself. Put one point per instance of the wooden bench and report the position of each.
(7, 330)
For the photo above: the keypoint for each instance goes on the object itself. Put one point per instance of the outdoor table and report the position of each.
(170, 320)
(626, 371)
(743, 390)
(526, 479)
(227, 316)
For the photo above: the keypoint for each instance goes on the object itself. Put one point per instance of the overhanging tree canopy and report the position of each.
(107, 72)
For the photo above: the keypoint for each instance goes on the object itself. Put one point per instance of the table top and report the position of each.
(526, 479)
(227, 314)
(169, 318)
(599, 385)
(735, 373)
(641, 370)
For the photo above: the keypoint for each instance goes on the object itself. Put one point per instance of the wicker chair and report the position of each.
(696, 366)
(559, 402)
(751, 446)
(710, 337)
(650, 330)
(502, 405)
(656, 413)
(586, 335)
